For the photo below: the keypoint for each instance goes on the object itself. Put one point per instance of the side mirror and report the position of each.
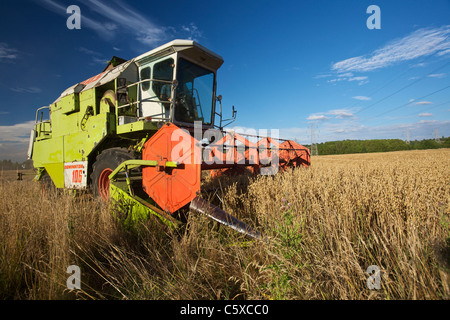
(233, 114)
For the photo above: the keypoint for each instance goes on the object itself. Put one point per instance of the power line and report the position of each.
(423, 77)
(429, 108)
(405, 87)
(403, 105)
(385, 85)
(395, 78)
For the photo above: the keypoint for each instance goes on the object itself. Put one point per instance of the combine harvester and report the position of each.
(142, 132)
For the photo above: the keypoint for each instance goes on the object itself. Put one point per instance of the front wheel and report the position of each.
(105, 164)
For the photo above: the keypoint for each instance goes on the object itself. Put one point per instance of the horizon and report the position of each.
(319, 143)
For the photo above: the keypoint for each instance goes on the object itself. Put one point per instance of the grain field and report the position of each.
(324, 226)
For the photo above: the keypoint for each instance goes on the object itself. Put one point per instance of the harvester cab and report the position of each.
(142, 132)
(175, 83)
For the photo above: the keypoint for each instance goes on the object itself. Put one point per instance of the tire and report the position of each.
(47, 184)
(104, 165)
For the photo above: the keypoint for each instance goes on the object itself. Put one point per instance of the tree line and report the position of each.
(323, 148)
(10, 165)
(378, 145)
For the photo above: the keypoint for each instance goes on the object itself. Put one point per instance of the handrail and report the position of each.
(37, 113)
(138, 83)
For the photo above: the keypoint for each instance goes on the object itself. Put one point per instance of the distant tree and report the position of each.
(378, 145)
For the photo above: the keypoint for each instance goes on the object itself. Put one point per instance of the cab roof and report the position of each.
(189, 48)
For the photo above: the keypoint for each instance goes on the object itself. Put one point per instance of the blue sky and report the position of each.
(288, 64)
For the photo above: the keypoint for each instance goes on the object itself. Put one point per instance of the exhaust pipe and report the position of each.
(202, 206)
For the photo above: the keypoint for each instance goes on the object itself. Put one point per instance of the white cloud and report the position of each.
(101, 61)
(116, 17)
(14, 141)
(437, 75)
(433, 122)
(444, 52)
(335, 80)
(89, 51)
(348, 129)
(320, 76)
(340, 113)
(351, 129)
(361, 80)
(96, 57)
(362, 98)
(422, 103)
(300, 135)
(422, 42)
(418, 65)
(111, 26)
(331, 114)
(98, 27)
(124, 17)
(19, 132)
(317, 117)
(26, 90)
(344, 77)
(7, 53)
(16, 152)
(425, 114)
(358, 78)
(192, 32)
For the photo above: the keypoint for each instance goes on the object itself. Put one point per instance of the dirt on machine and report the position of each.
(144, 132)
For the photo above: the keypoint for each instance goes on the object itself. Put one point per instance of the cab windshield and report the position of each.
(194, 93)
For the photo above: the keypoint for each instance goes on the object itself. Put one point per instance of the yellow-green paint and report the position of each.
(137, 126)
(54, 170)
(79, 123)
(133, 209)
(72, 133)
(70, 103)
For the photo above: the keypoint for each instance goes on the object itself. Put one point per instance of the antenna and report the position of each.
(314, 151)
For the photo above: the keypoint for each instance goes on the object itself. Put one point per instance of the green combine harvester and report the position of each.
(142, 132)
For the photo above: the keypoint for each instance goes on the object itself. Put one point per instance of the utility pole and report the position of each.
(408, 139)
(314, 151)
(436, 136)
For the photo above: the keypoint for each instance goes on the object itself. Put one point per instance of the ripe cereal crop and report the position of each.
(323, 226)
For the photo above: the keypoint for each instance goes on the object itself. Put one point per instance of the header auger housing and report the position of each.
(143, 131)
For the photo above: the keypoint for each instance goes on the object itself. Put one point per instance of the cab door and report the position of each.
(155, 94)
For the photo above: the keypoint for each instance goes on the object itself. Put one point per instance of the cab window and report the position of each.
(163, 71)
(145, 74)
